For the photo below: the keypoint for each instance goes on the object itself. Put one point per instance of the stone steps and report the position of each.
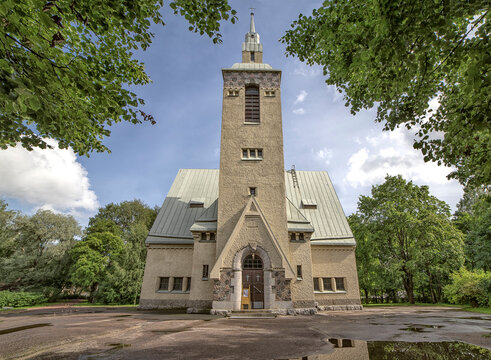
(252, 314)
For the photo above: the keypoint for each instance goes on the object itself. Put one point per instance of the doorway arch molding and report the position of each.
(237, 265)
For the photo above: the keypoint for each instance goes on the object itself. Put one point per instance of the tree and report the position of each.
(473, 218)
(111, 258)
(41, 252)
(66, 66)
(92, 257)
(399, 56)
(7, 232)
(411, 233)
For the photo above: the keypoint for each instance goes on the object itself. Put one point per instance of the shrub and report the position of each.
(19, 299)
(469, 287)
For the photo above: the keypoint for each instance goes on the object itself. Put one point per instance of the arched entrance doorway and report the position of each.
(252, 282)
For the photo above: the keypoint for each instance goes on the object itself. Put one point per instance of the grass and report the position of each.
(86, 303)
(483, 310)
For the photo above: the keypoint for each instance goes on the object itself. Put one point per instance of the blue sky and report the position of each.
(185, 99)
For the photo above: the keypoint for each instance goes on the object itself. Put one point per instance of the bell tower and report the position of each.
(251, 148)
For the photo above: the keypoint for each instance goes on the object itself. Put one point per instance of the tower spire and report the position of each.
(252, 28)
(252, 49)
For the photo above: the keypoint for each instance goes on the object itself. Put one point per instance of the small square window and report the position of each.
(252, 153)
(346, 343)
(260, 153)
(340, 284)
(252, 191)
(301, 237)
(212, 236)
(299, 272)
(293, 236)
(203, 236)
(205, 272)
(164, 284)
(316, 284)
(245, 154)
(177, 284)
(327, 282)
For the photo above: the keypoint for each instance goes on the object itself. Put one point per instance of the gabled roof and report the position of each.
(176, 219)
(328, 219)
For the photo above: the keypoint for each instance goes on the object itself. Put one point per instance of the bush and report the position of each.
(19, 299)
(469, 287)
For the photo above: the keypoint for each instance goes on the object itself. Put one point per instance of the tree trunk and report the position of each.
(408, 286)
(93, 288)
(432, 290)
(366, 296)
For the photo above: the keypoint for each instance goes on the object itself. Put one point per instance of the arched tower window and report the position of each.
(252, 104)
(253, 262)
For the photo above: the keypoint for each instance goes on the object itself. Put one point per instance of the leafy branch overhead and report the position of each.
(66, 66)
(399, 56)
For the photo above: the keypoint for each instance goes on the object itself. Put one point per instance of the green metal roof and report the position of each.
(176, 218)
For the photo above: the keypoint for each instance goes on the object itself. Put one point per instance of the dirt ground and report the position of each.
(128, 333)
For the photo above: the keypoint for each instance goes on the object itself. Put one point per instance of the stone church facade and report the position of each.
(251, 235)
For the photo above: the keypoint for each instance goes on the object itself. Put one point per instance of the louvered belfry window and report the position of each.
(252, 104)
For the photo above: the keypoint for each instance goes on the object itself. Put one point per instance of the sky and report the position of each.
(185, 98)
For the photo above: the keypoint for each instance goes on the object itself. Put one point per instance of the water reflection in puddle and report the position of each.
(347, 349)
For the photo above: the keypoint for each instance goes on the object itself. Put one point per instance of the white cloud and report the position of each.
(301, 97)
(49, 179)
(392, 153)
(305, 70)
(324, 155)
(299, 111)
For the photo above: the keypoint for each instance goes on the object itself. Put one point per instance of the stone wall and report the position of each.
(222, 288)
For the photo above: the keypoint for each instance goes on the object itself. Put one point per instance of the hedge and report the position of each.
(19, 299)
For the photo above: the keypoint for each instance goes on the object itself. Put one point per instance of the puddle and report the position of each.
(20, 328)
(118, 316)
(168, 331)
(348, 349)
(421, 327)
(118, 345)
(476, 318)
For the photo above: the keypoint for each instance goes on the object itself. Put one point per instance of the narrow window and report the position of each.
(300, 237)
(252, 104)
(293, 237)
(252, 55)
(212, 236)
(252, 153)
(259, 153)
(327, 284)
(164, 284)
(299, 272)
(346, 343)
(205, 272)
(203, 236)
(252, 191)
(178, 284)
(188, 287)
(316, 284)
(340, 284)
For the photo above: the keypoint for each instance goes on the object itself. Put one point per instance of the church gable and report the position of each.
(252, 231)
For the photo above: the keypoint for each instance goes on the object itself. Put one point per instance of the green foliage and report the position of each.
(470, 287)
(38, 253)
(92, 256)
(399, 56)
(66, 66)
(473, 217)
(110, 260)
(405, 236)
(19, 299)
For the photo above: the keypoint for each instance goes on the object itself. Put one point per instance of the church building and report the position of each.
(251, 235)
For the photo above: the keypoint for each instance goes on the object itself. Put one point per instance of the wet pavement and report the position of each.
(404, 333)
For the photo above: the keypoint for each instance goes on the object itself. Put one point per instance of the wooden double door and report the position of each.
(253, 282)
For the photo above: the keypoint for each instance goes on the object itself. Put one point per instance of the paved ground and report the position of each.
(127, 333)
